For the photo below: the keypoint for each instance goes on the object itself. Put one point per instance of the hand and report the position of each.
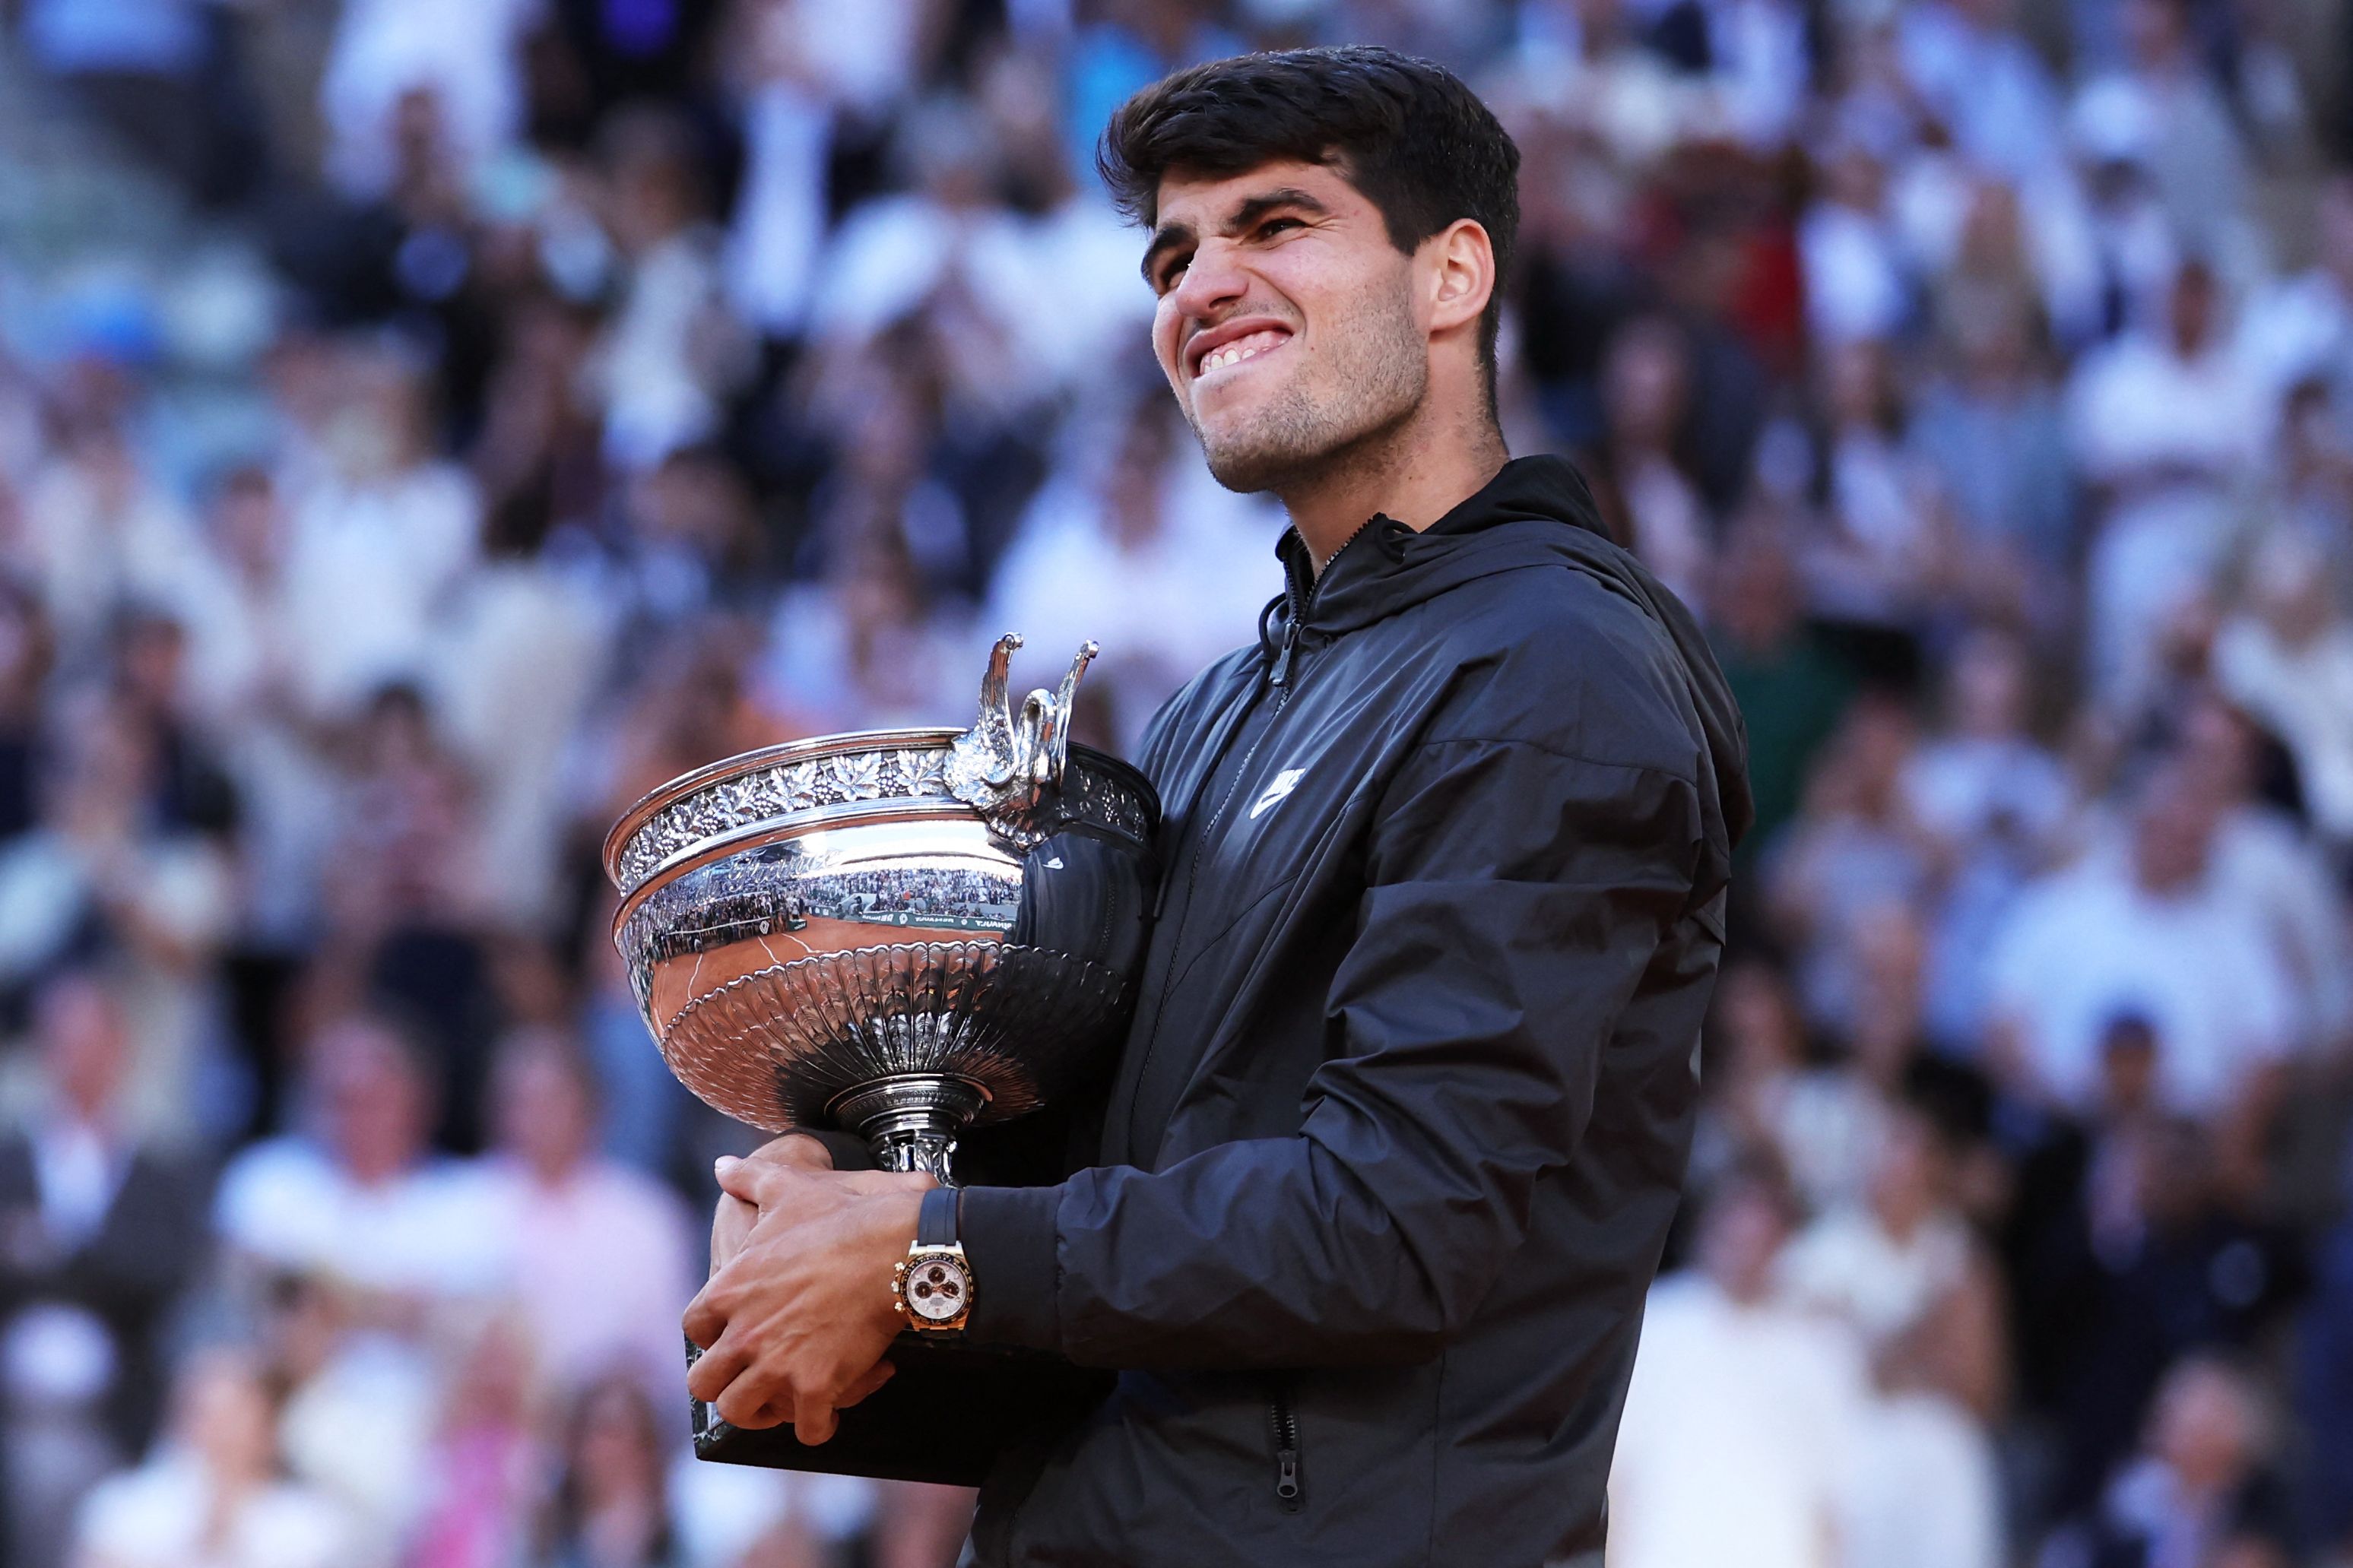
(734, 1222)
(794, 1326)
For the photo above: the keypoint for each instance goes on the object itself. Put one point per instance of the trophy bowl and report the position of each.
(898, 932)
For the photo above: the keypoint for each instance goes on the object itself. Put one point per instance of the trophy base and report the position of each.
(912, 1121)
(897, 1434)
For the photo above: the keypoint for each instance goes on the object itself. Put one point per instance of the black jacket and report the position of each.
(1402, 1118)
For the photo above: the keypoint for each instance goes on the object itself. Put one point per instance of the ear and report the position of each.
(1461, 261)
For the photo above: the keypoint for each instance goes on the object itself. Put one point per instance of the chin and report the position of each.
(1264, 451)
(1251, 466)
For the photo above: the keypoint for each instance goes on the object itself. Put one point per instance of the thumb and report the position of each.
(738, 1178)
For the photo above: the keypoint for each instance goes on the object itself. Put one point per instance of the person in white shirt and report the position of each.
(1992, 802)
(213, 1496)
(2286, 656)
(358, 1199)
(1884, 1264)
(98, 531)
(380, 535)
(2164, 422)
(2264, 857)
(1742, 1413)
(1903, 1270)
(1984, 776)
(600, 1258)
(97, 863)
(2142, 930)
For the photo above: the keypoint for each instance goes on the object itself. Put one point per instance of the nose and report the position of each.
(1213, 280)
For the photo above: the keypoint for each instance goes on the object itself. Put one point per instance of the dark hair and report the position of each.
(1407, 132)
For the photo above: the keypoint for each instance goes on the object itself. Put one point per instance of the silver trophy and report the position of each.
(900, 932)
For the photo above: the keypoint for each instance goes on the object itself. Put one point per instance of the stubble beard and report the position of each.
(1374, 374)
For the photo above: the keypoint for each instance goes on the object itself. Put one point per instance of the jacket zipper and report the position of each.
(1298, 603)
(1286, 1451)
(1280, 675)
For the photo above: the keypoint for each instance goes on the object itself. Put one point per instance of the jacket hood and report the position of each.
(1538, 511)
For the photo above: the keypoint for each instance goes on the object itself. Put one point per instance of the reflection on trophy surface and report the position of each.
(898, 932)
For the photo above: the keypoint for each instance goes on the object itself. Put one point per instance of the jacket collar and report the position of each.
(1387, 566)
(1536, 511)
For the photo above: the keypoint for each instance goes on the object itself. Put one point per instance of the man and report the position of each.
(101, 1229)
(2145, 927)
(1391, 1151)
(598, 1250)
(359, 1196)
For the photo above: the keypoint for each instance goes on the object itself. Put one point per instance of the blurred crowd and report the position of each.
(518, 403)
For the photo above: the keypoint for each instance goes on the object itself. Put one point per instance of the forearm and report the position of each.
(1267, 1253)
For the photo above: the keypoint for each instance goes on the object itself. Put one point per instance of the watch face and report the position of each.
(937, 1289)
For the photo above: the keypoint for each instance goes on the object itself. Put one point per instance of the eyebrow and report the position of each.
(1245, 216)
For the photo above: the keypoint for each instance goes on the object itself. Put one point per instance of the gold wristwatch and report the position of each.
(931, 1286)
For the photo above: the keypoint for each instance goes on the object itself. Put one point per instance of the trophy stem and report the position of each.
(912, 1121)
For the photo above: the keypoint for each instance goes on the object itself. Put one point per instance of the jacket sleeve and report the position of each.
(1515, 897)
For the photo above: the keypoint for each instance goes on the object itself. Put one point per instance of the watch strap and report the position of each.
(935, 1220)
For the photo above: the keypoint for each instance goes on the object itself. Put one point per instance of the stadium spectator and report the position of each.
(1741, 1416)
(612, 1506)
(98, 1219)
(215, 1493)
(2202, 1493)
(602, 1262)
(358, 1199)
(2143, 928)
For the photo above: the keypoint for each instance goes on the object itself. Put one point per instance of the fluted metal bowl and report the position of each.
(900, 931)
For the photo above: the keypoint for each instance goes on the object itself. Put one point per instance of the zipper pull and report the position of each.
(1286, 1475)
(1282, 657)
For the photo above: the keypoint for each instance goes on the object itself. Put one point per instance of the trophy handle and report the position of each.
(1050, 753)
(912, 1121)
(1009, 768)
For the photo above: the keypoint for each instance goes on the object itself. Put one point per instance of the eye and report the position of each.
(1171, 271)
(1274, 226)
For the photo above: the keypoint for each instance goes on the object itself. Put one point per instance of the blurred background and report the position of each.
(425, 425)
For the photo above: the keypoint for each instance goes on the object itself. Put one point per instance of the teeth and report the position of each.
(1225, 357)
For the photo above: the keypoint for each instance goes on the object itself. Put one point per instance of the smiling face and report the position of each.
(1288, 324)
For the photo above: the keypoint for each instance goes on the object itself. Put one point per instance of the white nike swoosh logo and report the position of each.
(1284, 782)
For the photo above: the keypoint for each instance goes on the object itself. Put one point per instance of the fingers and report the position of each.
(765, 1185)
(796, 1149)
(860, 1387)
(753, 1402)
(792, 1152)
(704, 1322)
(716, 1371)
(748, 1403)
(814, 1422)
(744, 1179)
(731, 1226)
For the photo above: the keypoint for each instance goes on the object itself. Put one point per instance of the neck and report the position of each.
(1416, 472)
